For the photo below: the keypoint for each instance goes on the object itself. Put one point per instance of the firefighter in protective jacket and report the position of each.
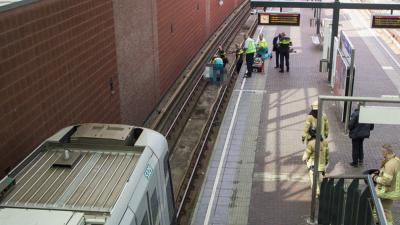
(388, 181)
(311, 122)
(309, 154)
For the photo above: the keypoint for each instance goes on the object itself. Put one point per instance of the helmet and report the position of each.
(314, 105)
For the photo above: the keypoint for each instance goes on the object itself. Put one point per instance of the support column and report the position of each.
(335, 28)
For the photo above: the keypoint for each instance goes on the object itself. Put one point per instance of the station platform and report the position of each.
(256, 175)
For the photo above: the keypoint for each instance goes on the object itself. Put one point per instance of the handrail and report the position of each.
(361, 203)
(377, 203)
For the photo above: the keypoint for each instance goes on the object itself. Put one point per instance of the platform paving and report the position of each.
(256, 175)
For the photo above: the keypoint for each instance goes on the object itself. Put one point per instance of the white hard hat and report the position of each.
(314, 105)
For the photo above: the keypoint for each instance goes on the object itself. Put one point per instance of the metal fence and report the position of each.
(349, 200)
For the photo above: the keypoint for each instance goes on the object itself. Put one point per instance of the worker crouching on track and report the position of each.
(387, 181)
(222, 55)
(218, 70)
(308, 158)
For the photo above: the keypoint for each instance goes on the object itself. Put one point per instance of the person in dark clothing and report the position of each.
(222, 55)
(358, 131)
(239, 57)
(284, 49)
(275, 48)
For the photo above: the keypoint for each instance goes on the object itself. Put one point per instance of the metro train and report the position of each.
(92, 174)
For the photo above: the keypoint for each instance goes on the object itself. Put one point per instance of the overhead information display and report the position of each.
(385, 21)
(286, 19)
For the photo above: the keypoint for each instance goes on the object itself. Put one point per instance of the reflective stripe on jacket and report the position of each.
(250, 46)
(308, 154)
(284, 44)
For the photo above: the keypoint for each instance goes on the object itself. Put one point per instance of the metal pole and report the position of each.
(316, 161)
(318, 19)
(335, 28)
(359, 99)
(350, 91)
(378, 204)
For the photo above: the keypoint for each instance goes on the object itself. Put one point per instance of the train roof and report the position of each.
(81, 168)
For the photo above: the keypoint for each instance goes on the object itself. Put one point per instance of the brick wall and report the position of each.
(181, 32)
(183, 29)
(220, 13)
(155, 40)
(57, 60)
(136, 42)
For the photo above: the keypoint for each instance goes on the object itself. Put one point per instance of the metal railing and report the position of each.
(345, 200)
(321, 100)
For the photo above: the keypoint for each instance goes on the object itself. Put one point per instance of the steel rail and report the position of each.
(203, 141)
(177, 116)
(179, 93)
(232, 66)
(223, 39)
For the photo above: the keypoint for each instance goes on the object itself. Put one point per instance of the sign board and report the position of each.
(385, 21)
(344, 74)
(283, 19)
(342, 71)
(335, 49)
(379, 115)
(345, 45)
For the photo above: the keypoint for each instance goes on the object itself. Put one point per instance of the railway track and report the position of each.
(190, 118)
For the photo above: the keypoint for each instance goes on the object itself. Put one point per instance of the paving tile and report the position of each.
(264, 180)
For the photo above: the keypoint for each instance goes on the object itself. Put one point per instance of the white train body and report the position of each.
(91, 174)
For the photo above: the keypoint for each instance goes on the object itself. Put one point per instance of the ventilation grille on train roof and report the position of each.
(107, 134)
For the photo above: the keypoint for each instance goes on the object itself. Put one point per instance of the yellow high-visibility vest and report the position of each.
(251, 46)
(262, 43)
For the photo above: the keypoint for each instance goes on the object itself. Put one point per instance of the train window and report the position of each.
(154, 206)
(145, 220)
